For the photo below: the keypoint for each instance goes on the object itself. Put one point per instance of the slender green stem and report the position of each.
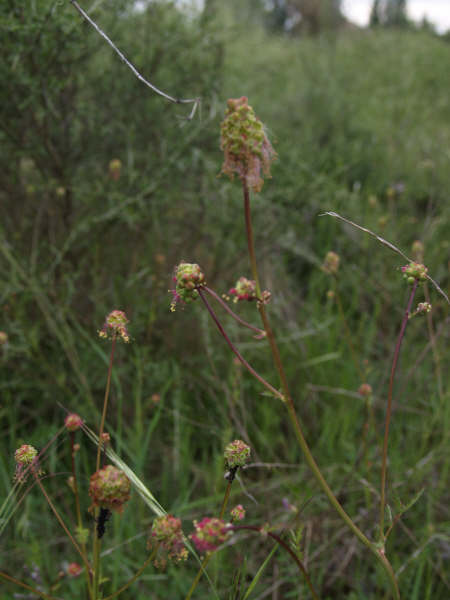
(389, 410)
(283, 544)
(97, 542)
(274, 391)
(347, 332)
(26, 586)
(61, 522)
(135, 576)
(207, 558)
(77, 505)
(291, 409)
(261, 333)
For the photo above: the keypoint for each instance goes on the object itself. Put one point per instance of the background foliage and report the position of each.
(361, 121)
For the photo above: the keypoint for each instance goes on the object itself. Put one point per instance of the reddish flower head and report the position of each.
(26, 458)
(167, 533)
(237, 513)
(245, 289)
(247, 150)
(209, 534)
(237, 454)
(74, 569)
(109, 488)
(73, 422)
(115, 325)
(365, 389)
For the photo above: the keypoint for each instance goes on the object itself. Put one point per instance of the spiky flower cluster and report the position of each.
(331, 263)
(422, 309)
(115, 325)
(245, 289)
(236, 454)
(25, 457)
(73, 422)
(109, 488)
(365, 389)
(188, 277)
(166, 532)
(237, 513)
(209, 534)
(414, 272)
(247, 150)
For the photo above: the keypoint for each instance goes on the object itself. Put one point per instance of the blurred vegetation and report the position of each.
(361, 125)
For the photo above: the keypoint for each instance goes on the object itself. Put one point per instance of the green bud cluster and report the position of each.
(414, 272)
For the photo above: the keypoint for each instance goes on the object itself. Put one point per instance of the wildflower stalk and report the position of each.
(97, 542)
(286, 547)
(347, 332)
(291, 409)
(26, 586)
(260, 332)
(77, 505)
(135, 576)
(207, 558)
(61, 522)
(274, 391)
(389, 410)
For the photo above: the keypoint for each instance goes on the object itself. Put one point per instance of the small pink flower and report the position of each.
(365, 390)
(115, 326)
(74, 569)
(209, 534)
(73, 422)
(237, 513)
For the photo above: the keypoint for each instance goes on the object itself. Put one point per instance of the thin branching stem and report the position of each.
(135, 576)
(235, 350)
(61, 522)
(286, 547)
(389, 409)
(194, 101)
(207, 558)
(291, 408)
(260, 332)
(26, 586)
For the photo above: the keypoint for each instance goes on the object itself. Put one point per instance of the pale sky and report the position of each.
(436, 11)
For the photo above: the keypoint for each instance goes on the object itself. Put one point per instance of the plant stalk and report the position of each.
(135, 576)
(26, 586)
(389, 410)
(291, 409)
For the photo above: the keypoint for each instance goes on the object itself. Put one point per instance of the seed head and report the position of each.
(247, 150)
(167, 533)
(25, 457)
(209, 534)
(109, 488)
(237, 513)
(331, 263)
(188, 277)
(73, 422)
(237, 454)
(414, 272)
(115, 326)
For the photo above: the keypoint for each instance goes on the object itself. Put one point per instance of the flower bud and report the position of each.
(115, 167)
(188, 277)
(245, 289)
(74, 569)
(247, 150)
(73, 422)
(331, 263)
(209, 534)
(237, 454)
(414, 272)
(365, 390)
(237, 513)
(115, 326)
(3, 338)
(26, 457)
(109, 488)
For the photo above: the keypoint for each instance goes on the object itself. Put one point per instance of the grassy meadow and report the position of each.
(360, 122)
